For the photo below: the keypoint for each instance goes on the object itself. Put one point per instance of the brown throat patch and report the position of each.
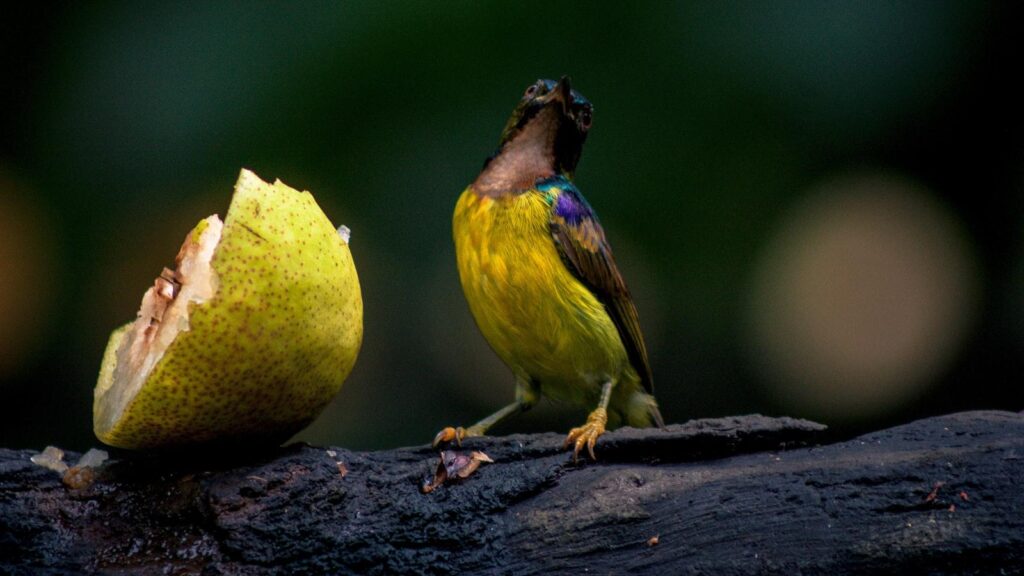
(529, 155)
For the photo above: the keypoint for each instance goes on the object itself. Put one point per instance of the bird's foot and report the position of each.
(448, 434)
(587, 434)
(457, 434)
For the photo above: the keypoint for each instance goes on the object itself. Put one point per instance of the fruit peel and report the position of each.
(259, 356)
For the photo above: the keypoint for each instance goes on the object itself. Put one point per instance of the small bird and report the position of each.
(540, 279)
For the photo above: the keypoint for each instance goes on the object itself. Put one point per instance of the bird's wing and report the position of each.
(585, 251)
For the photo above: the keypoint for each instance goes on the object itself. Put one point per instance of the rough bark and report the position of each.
(745, 495)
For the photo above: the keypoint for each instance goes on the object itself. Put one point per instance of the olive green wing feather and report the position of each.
(585, 251)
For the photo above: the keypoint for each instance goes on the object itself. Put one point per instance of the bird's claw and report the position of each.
(449, 434)
(587, 434)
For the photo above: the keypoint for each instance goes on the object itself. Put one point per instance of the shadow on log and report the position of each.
(744, 495)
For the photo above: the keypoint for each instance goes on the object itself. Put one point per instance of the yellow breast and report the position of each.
(542, 321)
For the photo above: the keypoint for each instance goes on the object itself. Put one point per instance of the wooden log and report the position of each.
(743, 495)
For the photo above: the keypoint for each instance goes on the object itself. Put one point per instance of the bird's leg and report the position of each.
(526, 397)
(592, 430)
(480, 428)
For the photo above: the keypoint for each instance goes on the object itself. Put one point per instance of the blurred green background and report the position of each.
(818, 206)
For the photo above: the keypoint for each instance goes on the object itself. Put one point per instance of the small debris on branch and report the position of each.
(83, 474)
(51, 458)
(77, 477)
(454, 466)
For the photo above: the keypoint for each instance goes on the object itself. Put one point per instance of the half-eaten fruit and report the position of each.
(248, 338)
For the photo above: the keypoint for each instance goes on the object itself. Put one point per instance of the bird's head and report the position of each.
(545, 134)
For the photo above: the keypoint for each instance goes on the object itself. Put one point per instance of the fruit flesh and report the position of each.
(249, 338)
(164, 313)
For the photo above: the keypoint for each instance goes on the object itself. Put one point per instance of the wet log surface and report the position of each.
(743, 495)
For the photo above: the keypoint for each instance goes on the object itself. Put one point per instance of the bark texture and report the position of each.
(743, 495)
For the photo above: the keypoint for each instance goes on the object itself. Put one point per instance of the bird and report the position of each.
(538, 274)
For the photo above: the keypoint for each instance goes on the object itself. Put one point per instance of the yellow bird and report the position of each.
(540, 278)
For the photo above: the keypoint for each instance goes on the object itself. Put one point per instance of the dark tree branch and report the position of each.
(727, 496)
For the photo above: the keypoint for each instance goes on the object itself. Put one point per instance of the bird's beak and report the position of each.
(565, 93)
(561, 94)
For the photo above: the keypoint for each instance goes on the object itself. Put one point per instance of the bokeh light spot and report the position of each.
(862, 298)
(26, 274)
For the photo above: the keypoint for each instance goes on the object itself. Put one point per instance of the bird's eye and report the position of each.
(530, 91)
(586, 117)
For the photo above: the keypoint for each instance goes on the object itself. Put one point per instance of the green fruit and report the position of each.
(249, 337)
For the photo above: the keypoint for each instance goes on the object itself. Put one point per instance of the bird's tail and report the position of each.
(642, 411)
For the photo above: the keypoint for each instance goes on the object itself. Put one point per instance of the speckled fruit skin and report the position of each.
(268, 352)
